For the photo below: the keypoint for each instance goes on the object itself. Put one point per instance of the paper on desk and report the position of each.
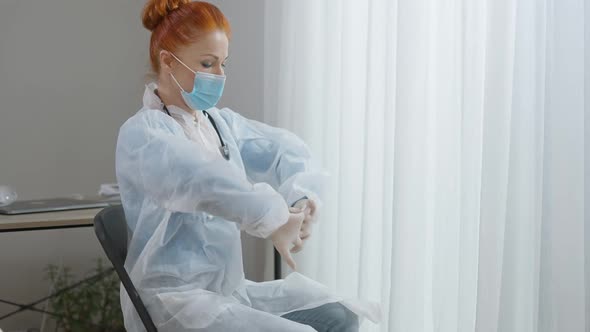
(109, 189)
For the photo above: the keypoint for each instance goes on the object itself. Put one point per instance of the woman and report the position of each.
(192, 176)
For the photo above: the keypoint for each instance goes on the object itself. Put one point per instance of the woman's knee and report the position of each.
(337, 318)
(331, 317)
(344, 319)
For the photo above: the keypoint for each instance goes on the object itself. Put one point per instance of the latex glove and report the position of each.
(287, 236)
(309, 208)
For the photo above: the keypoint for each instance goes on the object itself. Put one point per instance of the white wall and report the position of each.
(70, 73)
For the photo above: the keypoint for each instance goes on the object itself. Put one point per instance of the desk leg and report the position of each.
(277, 265)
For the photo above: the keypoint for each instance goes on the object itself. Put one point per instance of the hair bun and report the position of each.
(156, 10)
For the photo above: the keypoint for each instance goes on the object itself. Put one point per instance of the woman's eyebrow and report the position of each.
(215, 56)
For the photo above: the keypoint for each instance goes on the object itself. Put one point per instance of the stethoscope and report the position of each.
(223, 148)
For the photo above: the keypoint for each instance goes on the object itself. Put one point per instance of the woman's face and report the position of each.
(208, 55)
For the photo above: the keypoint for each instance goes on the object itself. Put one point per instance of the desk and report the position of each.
(60, 220)
(45, 221)
(49, 220)
(70, 219)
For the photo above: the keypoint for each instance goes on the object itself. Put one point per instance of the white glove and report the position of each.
(309, 208)
(286, 238)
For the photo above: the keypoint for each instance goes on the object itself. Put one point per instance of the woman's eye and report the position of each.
(206, 64)
(223, 65)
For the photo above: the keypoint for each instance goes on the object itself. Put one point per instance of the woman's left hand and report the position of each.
(309, 208)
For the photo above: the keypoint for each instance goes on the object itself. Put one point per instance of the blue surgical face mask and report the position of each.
(207, 89)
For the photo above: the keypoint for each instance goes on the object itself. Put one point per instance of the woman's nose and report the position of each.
(219, 71)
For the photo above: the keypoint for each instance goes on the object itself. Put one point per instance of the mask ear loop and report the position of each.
(177, 59)
(182, 63)
(175, 81)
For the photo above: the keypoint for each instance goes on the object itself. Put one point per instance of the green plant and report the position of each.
(92, 306)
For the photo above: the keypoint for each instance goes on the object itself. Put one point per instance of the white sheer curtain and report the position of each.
(454, 131)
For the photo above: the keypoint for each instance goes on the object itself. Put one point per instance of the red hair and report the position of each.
(176, 23)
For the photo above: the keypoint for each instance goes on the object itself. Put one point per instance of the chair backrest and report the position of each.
(111, 229)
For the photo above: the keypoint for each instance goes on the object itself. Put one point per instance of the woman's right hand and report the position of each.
(287, 237)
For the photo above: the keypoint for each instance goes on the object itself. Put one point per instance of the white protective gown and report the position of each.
(185, 206)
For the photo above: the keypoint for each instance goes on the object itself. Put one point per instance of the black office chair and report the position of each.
(111, 229)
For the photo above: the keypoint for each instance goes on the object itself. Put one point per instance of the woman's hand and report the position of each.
(286, 238)
(309, 208)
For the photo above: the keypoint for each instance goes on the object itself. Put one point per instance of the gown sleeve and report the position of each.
(153, 154)
(277, 157)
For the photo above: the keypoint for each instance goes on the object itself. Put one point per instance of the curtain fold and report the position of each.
(455, 135)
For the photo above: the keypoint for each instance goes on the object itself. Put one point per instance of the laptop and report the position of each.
(51, 205)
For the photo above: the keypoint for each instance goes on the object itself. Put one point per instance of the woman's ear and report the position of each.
(166, 60)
